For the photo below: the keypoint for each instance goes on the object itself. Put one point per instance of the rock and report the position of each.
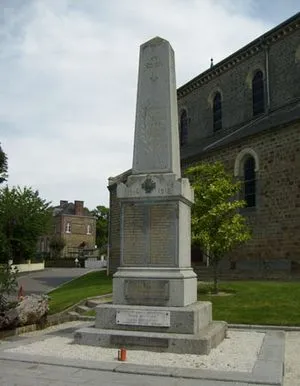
(31, 309)
(8, 319)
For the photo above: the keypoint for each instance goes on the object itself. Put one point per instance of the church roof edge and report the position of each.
(248, 50)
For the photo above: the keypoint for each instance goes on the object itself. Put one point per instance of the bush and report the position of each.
(57, 244)
(8, 284)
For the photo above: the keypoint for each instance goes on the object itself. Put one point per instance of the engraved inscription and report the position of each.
(134, 240)
(147, 292)
(153, 140)
(143, 318)
(138, 341)
(163, 234)
(149, 234)
(153, 62)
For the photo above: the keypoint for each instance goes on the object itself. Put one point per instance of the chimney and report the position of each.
(63, 203)
(78, 208)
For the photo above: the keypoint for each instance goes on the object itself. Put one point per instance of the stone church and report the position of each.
(245, 112)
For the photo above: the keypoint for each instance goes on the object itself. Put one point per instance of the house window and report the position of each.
(88, 230)
(183, 129)
(217, 112)
(68, 227)
(258, 97)
(249, 182)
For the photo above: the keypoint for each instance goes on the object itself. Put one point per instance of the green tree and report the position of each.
(217, 226)
(57, 244)
(3, 166)
(101, 213)
(24, 216)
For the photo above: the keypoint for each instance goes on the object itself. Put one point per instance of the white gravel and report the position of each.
(292, 353)
(238, 352)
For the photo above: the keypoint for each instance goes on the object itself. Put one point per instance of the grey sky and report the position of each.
(68, 75)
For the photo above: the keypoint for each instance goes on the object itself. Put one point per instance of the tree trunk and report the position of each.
(215, 271)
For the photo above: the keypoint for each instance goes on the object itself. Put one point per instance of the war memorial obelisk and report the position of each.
(155, 289)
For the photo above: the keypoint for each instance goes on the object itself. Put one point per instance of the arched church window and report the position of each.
(249, 182)
(258, 97)
(183, 128)
(217, 112)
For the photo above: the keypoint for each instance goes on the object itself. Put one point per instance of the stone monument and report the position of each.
(155, 289)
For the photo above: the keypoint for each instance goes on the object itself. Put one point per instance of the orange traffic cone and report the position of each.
(122, 354)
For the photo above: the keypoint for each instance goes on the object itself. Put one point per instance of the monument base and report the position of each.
(187, 329)
(153, 286)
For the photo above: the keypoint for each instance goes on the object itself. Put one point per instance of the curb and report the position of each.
(263, 327)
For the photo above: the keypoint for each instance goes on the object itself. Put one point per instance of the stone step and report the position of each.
(81, 309)
(200, 343)
(92, 303)
(73, 313)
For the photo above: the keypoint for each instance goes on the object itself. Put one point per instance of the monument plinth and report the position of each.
(155, 289)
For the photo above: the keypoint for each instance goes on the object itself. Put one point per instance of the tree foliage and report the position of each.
(217, 226)
(57, 244)
(101, 213)
(24, 216)
(3, 166)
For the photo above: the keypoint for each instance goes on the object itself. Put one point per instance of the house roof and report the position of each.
(68, 208)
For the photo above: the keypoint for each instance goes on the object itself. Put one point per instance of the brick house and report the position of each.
(245, 112)
(73, 223)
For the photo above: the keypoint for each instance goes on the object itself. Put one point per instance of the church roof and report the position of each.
(279, 32)
(275, 119)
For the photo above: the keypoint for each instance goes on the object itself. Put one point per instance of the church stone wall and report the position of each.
(284, 70)
(235, 86)
(275, 221)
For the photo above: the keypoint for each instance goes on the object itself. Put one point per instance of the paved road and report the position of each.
(44, 281)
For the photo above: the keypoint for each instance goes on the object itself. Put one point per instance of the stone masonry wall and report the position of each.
(78, 231)
(114, 230)
(275, 221)
(284, 70)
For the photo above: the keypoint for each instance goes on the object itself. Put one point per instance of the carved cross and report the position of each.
(148, 185)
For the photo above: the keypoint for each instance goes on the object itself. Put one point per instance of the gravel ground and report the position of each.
(292, 361)
(238, 352)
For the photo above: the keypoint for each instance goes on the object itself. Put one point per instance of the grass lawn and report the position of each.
(255, 302)
(91, 284)
(248, 302)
